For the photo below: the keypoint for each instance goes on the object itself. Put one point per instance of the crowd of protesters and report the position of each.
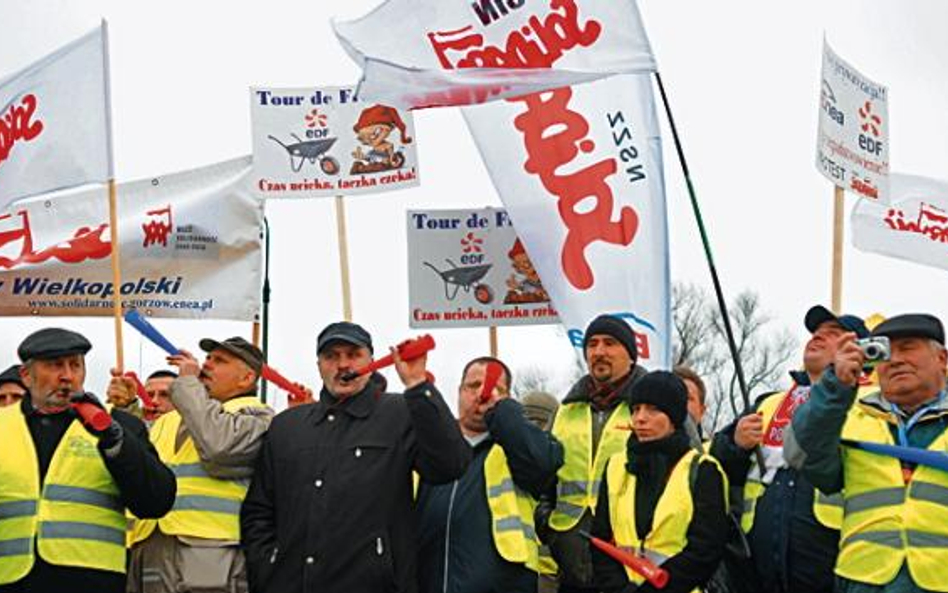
(837, 483)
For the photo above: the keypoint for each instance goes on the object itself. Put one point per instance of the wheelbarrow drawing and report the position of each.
(456, 278)
(310, 150)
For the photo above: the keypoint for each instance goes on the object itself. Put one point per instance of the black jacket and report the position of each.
(454, 520)
(330, 503)
(706, 537)
(146, 485)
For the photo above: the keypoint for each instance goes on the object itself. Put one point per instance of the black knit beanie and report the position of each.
(665, 391)
(615, 327)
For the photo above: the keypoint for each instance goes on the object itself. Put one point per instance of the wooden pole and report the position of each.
(116, 277)
(255, 335)
(493, 341)
(343, 258)
(838, 206)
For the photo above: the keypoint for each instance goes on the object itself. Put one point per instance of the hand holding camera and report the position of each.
(854, 357)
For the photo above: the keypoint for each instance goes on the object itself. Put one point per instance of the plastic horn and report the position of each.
(408, 350)
(135, 319)
(492, 374)
(926, 457)
(658, 577)
(271, 375)
(140, 390)
(92, 415)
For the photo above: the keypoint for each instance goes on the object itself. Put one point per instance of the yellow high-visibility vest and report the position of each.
(673, 512)
(578, 478)
(888, 522)
(76, 520)
(511, 513)
(828, 509)
(204, 506)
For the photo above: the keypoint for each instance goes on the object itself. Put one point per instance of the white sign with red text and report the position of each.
(913, 226)
(467, 268)
(429, 53)
(852, 148)
(54, 129)
(190, 248)
(580, 171)
(312, 142)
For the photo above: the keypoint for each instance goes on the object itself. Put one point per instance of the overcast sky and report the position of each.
(743, 79)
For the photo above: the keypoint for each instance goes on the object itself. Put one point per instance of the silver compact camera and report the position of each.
(875, 350)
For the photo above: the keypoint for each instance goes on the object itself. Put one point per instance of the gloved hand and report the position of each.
(96, 420)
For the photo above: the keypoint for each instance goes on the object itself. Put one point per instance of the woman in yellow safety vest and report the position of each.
(661, 498)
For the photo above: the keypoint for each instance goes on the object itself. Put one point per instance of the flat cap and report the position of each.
(12, 375)
(240, 348)
(818, 315)
(912, 325)
(343, 331)
(52, 342)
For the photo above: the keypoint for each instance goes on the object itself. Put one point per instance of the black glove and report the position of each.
(109, 434)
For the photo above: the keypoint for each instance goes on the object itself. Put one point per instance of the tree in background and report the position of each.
(699, 342)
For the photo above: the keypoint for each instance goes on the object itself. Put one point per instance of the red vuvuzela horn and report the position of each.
(408, 350)
(655, 575)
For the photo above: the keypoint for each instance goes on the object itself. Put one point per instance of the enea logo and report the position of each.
(871, 126)
(642, 328)
(828, 104)
(158, 227)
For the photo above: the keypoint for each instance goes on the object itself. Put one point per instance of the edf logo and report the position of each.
(871, 129)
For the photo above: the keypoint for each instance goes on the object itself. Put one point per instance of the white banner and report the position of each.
(54, 122)
(425, 53)
(852, 148)
(190, 248)
(914, 226)
(580, 171)
(467, 268)
(314, 142)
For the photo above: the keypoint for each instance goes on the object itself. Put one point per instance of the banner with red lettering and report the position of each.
(580, 171)
(468, 268)
(913, 226)
(190, 245)
(54, 122)
(425, 54)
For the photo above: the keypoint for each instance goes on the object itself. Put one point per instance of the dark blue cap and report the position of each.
(818, 315)
(343, 331)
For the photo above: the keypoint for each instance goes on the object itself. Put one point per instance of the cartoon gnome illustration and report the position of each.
(373, 128)
(524, 284)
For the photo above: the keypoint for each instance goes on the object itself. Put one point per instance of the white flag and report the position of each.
(54, 121)
(580, 172)
(426, 53)
(913, 226)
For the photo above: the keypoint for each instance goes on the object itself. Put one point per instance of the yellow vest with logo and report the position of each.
(828, 509)
(511, 513)
(888, 522)
(204, 506)
(77, 518)
(673, 513)
(578, 479)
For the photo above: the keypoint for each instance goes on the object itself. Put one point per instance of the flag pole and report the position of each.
(343, 258)
(838, 207)
(266, 302)
(116, 255)
(719, 293)
(493, 341)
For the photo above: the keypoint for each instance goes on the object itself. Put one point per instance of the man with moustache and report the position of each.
(792, 530)
(476, 534)
(65, 484)
(210, 441)
(330, 504)
(894, 536)
(593, 424)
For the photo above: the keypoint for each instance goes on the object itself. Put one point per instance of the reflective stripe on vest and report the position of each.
(673, 512)
(204, 506)
(827, 509)
(888, 523)
(511, 512)
(76, 520)
(579, 477)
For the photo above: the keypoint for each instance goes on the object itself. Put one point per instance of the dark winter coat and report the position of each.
(330, 504)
